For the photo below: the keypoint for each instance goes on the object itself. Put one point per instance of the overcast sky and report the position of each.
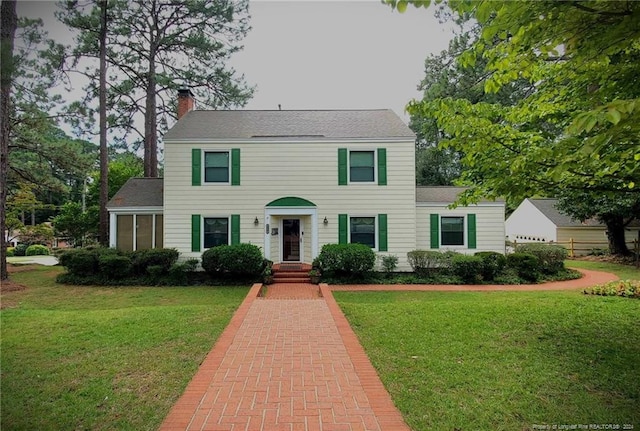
(324, 54)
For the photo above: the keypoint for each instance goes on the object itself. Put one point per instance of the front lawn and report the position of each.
(503, 360)
(103, 358)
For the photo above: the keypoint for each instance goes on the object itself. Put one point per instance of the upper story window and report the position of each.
(452, 230)
(362, 166)
(216, 167)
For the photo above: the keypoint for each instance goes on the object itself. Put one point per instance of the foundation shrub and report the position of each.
(424, 261)
(163, 258)
(492, 264)
(114, 265)
(526, 265)
(350, 260)
(235, 261)
(468, 268)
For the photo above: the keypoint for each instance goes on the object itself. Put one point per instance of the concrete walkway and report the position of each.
(290, 361)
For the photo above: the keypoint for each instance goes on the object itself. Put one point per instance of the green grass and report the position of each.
(502, 360)
(103, 358)
(625, 272)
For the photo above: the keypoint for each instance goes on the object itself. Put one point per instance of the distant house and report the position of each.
(538, 220)
(292, 181)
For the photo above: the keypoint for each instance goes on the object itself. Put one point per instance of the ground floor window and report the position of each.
(216, 231)
(139, 231)
(363, 230)
(452, 230)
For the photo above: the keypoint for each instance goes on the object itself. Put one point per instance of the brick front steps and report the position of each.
(291, 273)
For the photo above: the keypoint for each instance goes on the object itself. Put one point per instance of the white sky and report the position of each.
(323, 54)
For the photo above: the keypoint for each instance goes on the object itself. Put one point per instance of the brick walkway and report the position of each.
(286, 364)
(290, 361)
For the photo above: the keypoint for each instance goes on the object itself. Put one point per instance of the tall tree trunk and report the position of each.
(615, 235)
(150, 122)
(8, 24)
(103, 231)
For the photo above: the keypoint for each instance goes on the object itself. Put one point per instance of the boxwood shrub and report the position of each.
(492, 264)
(550, 257)
(163, 258)
(350, 260)
(114, 266)
(468, 268)
(526, 265)
(80, 261)
(20, 250)
(37, 250)
(235, 261)
(10, 251)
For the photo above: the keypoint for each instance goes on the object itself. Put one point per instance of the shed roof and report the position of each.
(139, 192)
(549, 209)
(303, 124)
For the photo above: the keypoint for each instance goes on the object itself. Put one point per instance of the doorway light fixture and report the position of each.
(256, 221)
(326, 222)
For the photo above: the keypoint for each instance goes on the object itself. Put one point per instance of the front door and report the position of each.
(291, 240)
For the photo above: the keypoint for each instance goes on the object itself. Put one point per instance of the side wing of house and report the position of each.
(528, 224)
(464, 229)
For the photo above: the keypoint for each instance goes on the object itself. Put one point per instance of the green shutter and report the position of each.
(342, 229)
(382, 166)
(196, 167)
(235, 229)
(235, 167)
(195, 233)
(435, 231)
(342, 166)
(382, 233)
(471, 230)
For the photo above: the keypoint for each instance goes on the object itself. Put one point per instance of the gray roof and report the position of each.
(139, 192)
(444, 194)
(330, 124)
(548, 208)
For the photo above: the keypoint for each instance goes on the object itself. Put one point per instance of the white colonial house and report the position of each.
(292, 181)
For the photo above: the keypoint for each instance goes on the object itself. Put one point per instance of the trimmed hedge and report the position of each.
(235, 261)
(114, 266)
(163, 258)
(346, 259)
(526, 264)
(37, 250)
(550, 257)
(20, 250)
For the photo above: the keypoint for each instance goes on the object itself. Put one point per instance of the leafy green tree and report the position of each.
(122, 166)
(154, 47)
(75, 224)
(579, 131)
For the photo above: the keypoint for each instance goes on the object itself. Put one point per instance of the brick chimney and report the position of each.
(186, 102)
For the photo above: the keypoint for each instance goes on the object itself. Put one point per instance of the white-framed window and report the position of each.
(452, 231)
(362, 166)
(216, 231)
(216, 167)
(362, 230)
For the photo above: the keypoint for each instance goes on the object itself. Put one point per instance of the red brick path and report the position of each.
(286, 364)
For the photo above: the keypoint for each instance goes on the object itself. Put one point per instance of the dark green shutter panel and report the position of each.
(342, 228)
(235, 167)
(435, 231)
(195, 232)
(342, 166)
(196, 167)
(382, 233)
(382, 166)
(235, 229)
(471, 230)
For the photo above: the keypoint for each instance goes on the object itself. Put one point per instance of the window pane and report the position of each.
(452, 230)
(363, 231)
(144, 227)
(216, 232)
(361, 166)
(124, 240)
(216, 167)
